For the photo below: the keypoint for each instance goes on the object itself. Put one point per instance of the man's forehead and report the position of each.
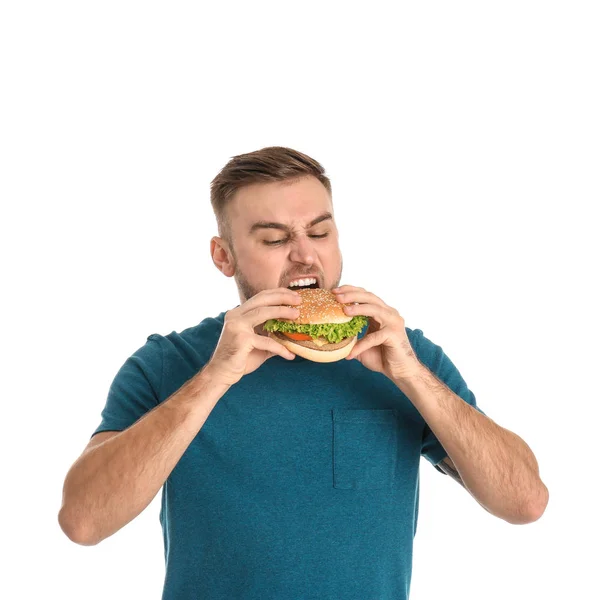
(305, 205)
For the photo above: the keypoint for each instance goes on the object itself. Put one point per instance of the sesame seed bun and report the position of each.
(319, 306)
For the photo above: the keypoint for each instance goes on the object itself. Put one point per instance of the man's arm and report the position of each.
(116, 478)
(494, 464)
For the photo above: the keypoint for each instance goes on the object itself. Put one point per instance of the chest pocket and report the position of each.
(365, 448)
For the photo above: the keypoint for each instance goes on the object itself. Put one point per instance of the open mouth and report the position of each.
(312, 286)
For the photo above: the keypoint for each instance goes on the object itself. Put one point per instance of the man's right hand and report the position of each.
(240, 350)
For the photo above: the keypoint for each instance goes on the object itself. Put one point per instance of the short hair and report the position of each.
(274, 163)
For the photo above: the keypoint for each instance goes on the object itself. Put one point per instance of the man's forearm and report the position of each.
(495, 464)
(111, 483)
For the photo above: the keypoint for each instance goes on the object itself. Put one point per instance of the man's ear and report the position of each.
(221, 256)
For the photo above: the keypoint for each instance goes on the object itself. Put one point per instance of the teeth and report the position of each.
(302, 282)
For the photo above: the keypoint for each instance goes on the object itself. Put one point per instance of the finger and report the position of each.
(346, 288)
(261, 314)
(270, 345)
(359, 296)
(379, 313)
(275, 297)
(370, 340)
(278, 294)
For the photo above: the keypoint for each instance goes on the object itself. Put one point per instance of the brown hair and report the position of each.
(274, 163)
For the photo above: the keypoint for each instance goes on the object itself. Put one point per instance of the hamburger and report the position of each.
(323, 332)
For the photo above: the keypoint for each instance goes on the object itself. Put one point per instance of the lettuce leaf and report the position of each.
(333, 332)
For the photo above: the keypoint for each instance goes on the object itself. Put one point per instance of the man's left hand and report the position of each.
(385, 347)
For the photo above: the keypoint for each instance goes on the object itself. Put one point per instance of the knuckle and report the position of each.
(231, 316)
(228, 326)
(233, 329)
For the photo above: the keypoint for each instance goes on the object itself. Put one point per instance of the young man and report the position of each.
(281, 477)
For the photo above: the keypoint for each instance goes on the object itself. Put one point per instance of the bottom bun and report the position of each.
(322, 356)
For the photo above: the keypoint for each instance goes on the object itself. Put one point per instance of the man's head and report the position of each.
(274, 195)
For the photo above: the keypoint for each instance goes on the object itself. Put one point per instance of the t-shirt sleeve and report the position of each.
(434, 358)
(135, 389)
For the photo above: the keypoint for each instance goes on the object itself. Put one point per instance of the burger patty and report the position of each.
(314, 346)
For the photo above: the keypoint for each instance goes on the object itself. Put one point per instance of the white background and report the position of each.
(462, 141)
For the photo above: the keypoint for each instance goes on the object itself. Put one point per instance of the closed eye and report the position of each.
(275, 242)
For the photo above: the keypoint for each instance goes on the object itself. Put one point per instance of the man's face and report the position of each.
(293, 245)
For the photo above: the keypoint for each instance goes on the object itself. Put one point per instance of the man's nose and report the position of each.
(302, 250)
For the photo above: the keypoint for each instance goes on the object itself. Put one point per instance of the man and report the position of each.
(284, 478)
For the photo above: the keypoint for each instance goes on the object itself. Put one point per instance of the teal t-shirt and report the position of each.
(303, 483)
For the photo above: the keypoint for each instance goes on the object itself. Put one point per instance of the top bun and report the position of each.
(319, 306)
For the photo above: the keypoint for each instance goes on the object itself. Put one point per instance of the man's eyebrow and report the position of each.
(272, 225)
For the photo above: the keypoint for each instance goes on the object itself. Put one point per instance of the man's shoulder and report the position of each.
(203, 333)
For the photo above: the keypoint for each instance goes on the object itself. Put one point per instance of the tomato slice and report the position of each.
(297, 336)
